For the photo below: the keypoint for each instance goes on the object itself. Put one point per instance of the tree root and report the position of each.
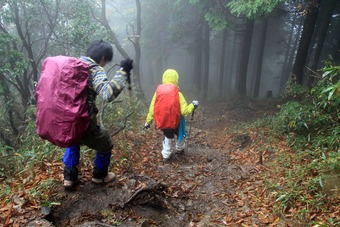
(152, 196)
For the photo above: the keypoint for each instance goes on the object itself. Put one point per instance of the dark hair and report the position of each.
(98, 49)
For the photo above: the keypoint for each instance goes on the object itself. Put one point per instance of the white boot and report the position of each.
(180, 146)
(166, 152)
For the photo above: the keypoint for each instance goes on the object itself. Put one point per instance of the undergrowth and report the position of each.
(33, 156)
(309, 121)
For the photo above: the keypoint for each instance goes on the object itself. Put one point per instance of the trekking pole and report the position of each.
(132, 103)
(129, 87)
(191, 120)
(189, 135)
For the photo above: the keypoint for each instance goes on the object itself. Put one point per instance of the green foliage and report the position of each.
(115, 112)
(307, 126)
(40, 193)
(111, 217)
(77, 25)
(313, 122)
(24, 162)
(5, 191)
(311, 125)
(32, 152)
(254, 8)
(45, 28)
(216, 21)
(305, 182)
(215, 13)
(294, 91)
(327, 91)
(13, 62)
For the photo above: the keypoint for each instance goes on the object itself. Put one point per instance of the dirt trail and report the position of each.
(201, 186)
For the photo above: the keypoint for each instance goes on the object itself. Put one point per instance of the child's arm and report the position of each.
(185, 108)
(149, 118)
(107, 89)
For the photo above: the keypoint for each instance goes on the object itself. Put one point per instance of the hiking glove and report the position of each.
(126, 65)
(195, 103)
(146, 126)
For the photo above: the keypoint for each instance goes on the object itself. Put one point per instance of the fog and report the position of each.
(168, 41)
(219, 52)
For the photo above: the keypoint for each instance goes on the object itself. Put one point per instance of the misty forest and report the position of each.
(262, 148)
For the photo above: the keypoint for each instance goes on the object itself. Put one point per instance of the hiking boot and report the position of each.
(69, 185)
(180, 152)
(168, 159)
(70, 177)
(109, 178)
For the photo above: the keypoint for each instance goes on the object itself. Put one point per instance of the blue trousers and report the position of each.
(72, 156)
(97, 139)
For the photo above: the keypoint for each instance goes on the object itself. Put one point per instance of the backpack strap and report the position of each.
(92, 94)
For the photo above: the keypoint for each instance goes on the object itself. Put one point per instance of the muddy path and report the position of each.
(198, 188)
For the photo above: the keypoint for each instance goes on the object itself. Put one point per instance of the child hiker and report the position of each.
(98, 54)
(169, 108)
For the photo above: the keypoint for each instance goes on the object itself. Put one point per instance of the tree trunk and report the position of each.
(112, 34)
(326, 11)
(244, 57)
(222, 62)
(25, 91)
(206, 60)
(289, 54)
(8, 105)
(333, 47)
(233, 65)
(136, 43)
(263, 32)
(304, 44)
(198, 56)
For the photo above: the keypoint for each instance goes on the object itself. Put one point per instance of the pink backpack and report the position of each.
(61, 98)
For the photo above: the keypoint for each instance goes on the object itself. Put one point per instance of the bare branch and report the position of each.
(101, 115)
(123, 127)
(112, 34)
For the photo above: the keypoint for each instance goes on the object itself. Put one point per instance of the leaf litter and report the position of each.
(220, 180)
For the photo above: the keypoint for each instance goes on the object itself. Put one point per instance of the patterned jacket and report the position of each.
(106, 89)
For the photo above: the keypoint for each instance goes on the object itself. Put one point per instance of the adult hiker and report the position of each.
(98, 54)
(168, 108)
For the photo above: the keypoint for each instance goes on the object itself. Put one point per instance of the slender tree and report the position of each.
(233, 64)
(244, 57)
(206, 49)
(327, 8)
(198, 55)
(304, 43)
(251, 10)
(222, 63)
(294, 31)
(261, 48)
